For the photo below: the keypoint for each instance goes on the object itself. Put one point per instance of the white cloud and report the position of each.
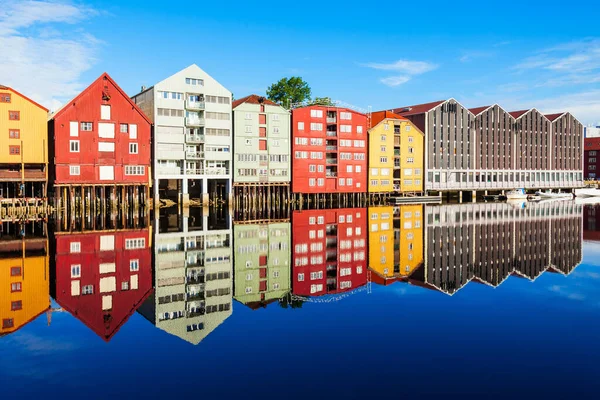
(407, 68)
(404, 66)
(38, 59)
(395, 80)
(472, 55)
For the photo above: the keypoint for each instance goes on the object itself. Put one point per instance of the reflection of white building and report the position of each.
(193, 282)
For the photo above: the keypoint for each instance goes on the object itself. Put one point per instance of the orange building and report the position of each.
(24, 282)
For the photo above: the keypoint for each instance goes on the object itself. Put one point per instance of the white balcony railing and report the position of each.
(193, 121)
(194, 105)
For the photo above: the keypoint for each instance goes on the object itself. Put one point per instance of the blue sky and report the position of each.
(517, 54)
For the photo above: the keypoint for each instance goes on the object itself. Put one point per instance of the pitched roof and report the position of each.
(553, 117)
(591, 144)
(479, 110)
(379, 116)
(253, 99)
(517, 114)
(133, 105)
(2, 87)
(417, 109)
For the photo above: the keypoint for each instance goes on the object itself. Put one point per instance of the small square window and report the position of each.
(14, 115)
(86, 126)
(8, 323)
(14, 150)
(133, 148)
(16, 305)
(15, 271)
(16, 287)
(124, 285)
(14, 134)
(124, 128)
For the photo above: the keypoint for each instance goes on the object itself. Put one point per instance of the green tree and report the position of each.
(288, 91)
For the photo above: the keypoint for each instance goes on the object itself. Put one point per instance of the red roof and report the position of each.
(133, 105)
(2, 87)
(553, 117)
(379, 116)
(253, 99)
(517, 114)
(479, 110)
(591, 144)
(417, 109)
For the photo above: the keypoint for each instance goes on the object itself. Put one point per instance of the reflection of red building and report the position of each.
(329, 150)
(103, 277)
(329, 251)
(591, 223)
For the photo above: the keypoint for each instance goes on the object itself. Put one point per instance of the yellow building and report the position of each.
(23, 146)
(408, 234)
(396, 155)
(24, 283)
(381, 242)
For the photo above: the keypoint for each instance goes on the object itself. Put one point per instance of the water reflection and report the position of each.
(183, 275)
(102, 277)
(489, 242)
(24, 274)
(261, 263)
(193, 275)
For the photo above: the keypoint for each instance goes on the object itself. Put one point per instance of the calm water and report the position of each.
(484, 300)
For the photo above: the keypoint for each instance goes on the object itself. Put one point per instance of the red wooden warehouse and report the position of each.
(100, 138)
(329, 148)
(329, 251)
(102, 278)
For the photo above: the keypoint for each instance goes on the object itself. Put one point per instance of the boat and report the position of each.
(587, 192)
(547, 195)
(517, 194)
(534, 197)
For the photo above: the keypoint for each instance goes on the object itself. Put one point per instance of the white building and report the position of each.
(591, 131)
(193, 278)
(192, 141)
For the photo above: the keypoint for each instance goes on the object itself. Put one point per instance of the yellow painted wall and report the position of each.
(411, 139)
(411, 238)
(381, 241)
(35, 294)
(34, 131)
(380, 135)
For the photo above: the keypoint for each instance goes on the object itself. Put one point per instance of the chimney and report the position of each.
(143, 88)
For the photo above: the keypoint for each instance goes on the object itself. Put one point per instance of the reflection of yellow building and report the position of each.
(24, 283)
(409, 237)
(381, 241)
(396, 155)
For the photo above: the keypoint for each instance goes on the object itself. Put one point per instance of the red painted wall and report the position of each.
(88, 308)
(86, 108)
(591, 145)
(303, 222)
(301, 174)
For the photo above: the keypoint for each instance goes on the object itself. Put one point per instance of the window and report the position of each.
(14, 134)
(16, 305)
(75, 247)
(138, 243)
(14, 115)
(346, 115)
(76, 271)
(14, 150)
(8, 323)
(74, 146)
(15, 271)
(316, 113)
(407, 128)
(349, 168)
(300, 277)
(300, 126)
(133, 148)
(316, 126)
(124, 128)
(194, 82)
(104, 112)
(86, 126)
(74, 170)
(410, 139)
(87, 289)
(134, 265)
(383, 159)
(137, 170)
(15, 287)
(359, 129)
(4, 97)
(124, 285)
